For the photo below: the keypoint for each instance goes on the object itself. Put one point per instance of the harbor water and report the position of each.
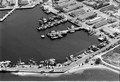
(19, 39)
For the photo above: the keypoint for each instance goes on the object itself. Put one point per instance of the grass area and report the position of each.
(113, 57)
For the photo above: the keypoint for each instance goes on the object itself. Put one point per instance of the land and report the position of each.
(16, 4)
(82, 14)
(113, 57)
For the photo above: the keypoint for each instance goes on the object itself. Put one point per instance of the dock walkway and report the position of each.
(18, 7)
(6, 15)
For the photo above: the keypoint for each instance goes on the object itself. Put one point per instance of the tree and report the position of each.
(86, 61)
(98, 61)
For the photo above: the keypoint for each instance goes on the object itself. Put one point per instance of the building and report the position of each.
(117, 1)
(96, 19)
(100, 5)
(4, 3)
(111, 20)
(107, 8)
(102, 38)
(60, 1)
(101, 23)
(66, 3)
(77, 12)
(72, 7)
(23, 2)
(12, 2)
(109, 32)
(89, 3)
(87, 15)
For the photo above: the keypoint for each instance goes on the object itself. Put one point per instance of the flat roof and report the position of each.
(101, 23)
(96, 19)
(67, 3)
(68, 8)
(109, 7)
(78, 12)
(86, 15)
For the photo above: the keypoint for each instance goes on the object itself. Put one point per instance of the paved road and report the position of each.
(80, 61)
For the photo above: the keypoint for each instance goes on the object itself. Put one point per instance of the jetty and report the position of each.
(16, 6)
(10, 12)
(6, 15)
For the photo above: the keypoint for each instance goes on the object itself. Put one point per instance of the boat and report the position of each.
(47, 11)
(39, 28)
(50, 19)
(44, 20)
(71, 29)
(54, 37)
(42, 36)
(57, 34)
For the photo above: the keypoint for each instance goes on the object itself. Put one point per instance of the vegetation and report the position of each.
(97, 61)
(113, 57)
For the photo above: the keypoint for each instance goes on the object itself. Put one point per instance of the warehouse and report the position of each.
(106, 8)
(77, 12)
(101, 23)
(68, 3)
(96, 19)
(72, 7)
(100, 5)
(87, 16)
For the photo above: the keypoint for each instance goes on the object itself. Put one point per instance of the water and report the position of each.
(88, 75)
(20, 39)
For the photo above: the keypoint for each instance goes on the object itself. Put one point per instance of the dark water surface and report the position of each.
(20, 39)
(87, 75)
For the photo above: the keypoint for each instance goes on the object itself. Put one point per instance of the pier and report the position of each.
(10, 12)
(16, 6)
(6, 15)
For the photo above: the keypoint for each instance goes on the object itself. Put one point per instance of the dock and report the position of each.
(18, 7)
(6, 15)
(10, 12)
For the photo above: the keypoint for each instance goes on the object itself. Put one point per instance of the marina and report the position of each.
(86, 58)
(51, 22)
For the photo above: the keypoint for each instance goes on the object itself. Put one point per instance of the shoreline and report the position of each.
(22, 7)
(12, 8)
(71, 70)
(75, 70)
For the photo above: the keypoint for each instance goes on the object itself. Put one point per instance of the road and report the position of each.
(79, 62)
